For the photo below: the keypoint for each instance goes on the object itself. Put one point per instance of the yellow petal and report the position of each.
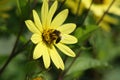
(42, 50)
(37, 20)
(38, 51)
(115, 10)
(65, 49)
(110, 19)
(56, 58)
(59, 19)
(105, 26)
(46, 57)
(97, 12)
(67, 28)
(68, 39)
(51, 12)
(44, 13)
(36, 38)
(31, 26)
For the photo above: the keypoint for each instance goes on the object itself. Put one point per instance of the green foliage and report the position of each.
(108, 50)
(82, 63)
(84, 33)
(23, 8)
(96, 50)
(15, 70)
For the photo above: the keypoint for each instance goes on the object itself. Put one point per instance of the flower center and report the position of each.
(98, 1)
(50, 36)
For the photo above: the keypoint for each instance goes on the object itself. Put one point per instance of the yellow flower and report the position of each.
(107, 20)
(49, 33)
(98, 8)
(75, 6)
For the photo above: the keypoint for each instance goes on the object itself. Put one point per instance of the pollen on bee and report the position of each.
(51, 36)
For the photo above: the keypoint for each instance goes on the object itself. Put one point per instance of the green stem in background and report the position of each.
(15, 52)
(85, 16)
(62, 4)
(78, 7)
(105, 12)
(60, 7)
(33, 4)
(62, 74)
(12, 54)
(72, 63)
(77, 12)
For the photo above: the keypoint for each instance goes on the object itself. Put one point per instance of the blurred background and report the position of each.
(97, 50)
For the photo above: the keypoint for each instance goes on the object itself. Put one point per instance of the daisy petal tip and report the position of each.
(62, 68)
(47, 66)
(74, 25)
(35, 57)
(26, 21)
(76, 40)
(73, 55)
(34, 12)
(67, 11)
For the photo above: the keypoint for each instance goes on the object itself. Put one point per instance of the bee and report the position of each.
(58, 37)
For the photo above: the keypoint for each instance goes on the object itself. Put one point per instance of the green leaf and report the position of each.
(108, 50)
(31, 67)
(23, 8)
(83, 34)
(81, 64)
(14, 67)
(112, 74)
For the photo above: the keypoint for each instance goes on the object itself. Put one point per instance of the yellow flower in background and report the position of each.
(49, 33)
(6, 5)
(98, 8)
(75, 6)
(107, 20)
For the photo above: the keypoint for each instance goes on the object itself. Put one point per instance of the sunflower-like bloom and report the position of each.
(49, 32)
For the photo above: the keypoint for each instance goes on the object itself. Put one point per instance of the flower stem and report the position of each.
(62, 74)
(85, 16)
(12, 52)
(105, 12)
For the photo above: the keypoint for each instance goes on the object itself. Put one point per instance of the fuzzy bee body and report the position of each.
(58, 39)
